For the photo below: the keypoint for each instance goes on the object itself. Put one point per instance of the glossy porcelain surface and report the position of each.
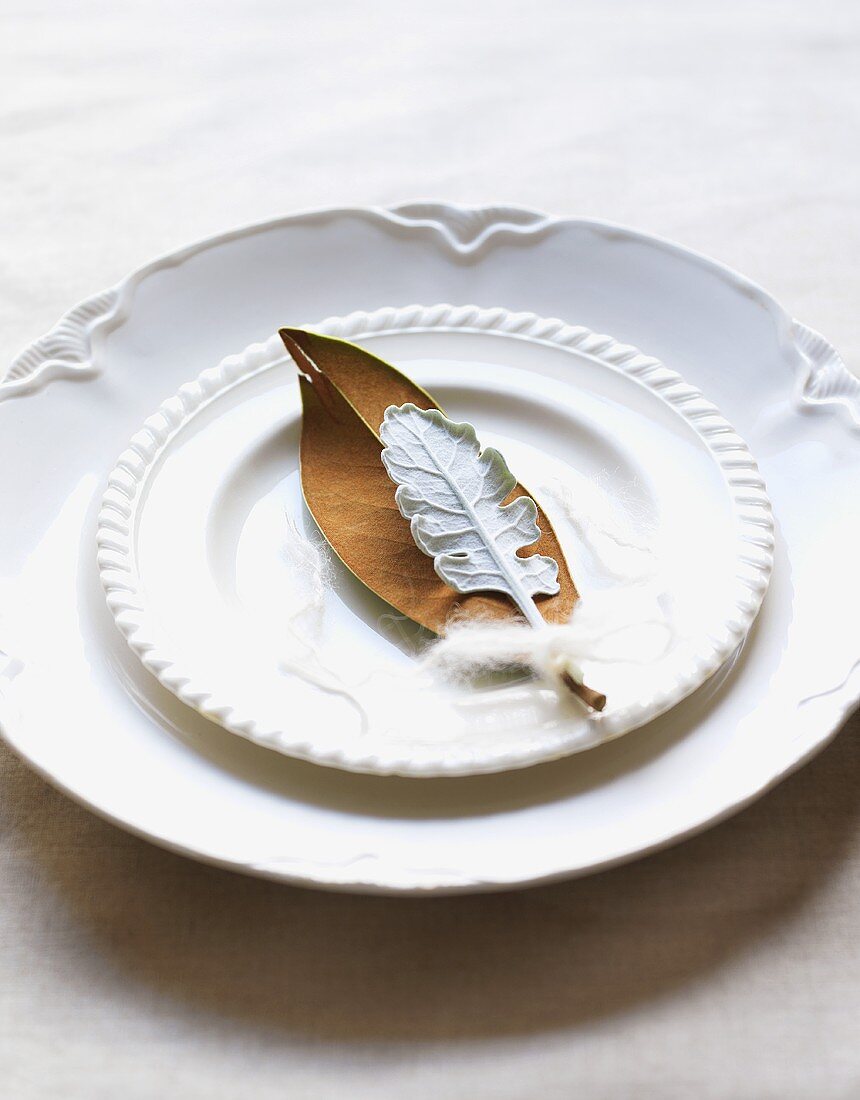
(199, 559)
(77, 704)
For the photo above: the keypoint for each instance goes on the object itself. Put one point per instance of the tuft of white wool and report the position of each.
(620, 553)
(608, 626)
(310, 565)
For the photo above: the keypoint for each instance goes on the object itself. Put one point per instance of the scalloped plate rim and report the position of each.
(121, 293)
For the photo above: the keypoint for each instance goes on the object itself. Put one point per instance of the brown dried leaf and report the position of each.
(345, 392)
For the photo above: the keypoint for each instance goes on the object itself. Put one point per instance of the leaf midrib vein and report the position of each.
(519, 594)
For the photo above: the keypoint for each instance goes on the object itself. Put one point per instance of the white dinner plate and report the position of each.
(669, 535)
(79, 707)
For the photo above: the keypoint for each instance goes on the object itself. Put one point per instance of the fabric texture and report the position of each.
(724, 968)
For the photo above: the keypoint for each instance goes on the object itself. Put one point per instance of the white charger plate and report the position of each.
(208, 587)
(77, 705)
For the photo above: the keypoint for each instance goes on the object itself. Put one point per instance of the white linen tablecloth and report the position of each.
(724, 968)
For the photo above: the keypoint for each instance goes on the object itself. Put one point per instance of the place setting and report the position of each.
(477, 560)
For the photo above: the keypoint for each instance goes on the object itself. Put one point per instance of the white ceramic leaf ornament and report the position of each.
(451, 491)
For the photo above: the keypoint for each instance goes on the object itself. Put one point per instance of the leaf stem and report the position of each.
(596, 700)
(529, 609)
